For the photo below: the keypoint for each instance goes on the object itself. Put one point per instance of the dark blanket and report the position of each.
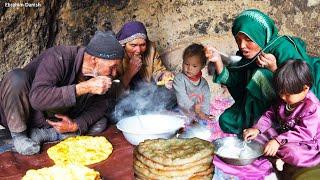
(118, 165)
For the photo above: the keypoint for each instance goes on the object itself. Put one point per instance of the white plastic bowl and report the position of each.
(138, 128)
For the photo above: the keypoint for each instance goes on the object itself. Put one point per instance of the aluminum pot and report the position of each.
(235, 151)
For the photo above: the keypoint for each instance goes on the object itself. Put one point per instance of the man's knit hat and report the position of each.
(105, 45)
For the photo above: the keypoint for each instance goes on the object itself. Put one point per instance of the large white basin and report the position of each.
(138, 128)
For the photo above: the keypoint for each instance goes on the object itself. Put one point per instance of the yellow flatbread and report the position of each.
(81, 150)
(57, 172)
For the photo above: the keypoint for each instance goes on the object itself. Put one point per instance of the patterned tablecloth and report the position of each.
(118, 165)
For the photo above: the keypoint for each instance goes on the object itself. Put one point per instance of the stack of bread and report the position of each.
(173, 159)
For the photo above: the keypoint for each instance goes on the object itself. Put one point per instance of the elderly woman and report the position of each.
(141, 61)
(249, 81)
(143, 74)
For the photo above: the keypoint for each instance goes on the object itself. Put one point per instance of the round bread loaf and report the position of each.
(175, 152)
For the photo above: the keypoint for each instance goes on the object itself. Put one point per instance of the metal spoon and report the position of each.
(230, 58)
(116, 81)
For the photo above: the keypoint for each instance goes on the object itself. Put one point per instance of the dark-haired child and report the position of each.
(191, 89)
(293, 124)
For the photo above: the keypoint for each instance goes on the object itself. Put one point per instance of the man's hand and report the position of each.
(251, 133)
(271, 148)
(65, 125)
(96, 85)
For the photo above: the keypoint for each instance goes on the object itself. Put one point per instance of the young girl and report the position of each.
(191, 89)
(293, 125)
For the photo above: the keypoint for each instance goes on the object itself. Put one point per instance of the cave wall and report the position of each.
(172, 24)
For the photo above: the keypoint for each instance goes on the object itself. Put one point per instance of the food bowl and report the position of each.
(138, 128)
(196, 130)
(235, 151)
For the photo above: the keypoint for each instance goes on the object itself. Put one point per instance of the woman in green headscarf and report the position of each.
(249, 81)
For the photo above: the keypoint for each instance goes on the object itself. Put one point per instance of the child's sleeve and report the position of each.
(265, 121)
(306, 126)
(179, 86)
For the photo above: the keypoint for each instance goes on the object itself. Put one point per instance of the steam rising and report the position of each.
(146, 98)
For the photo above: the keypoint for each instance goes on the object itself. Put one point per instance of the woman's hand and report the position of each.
(268, 61)
(271, 148)
(213, 56)
(65, 125)
(251, 133)
(135, 65)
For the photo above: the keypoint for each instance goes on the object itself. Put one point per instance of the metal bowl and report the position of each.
(235, 151)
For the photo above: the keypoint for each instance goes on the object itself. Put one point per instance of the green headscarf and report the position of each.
(259, 27)
(250, 85)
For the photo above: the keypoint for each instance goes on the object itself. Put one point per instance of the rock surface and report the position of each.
(26, 31)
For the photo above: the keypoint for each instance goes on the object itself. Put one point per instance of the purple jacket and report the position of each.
(302, 125)
(54, 74)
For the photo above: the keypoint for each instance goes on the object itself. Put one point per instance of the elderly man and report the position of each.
(61, 91)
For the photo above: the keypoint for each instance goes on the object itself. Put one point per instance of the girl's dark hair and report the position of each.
(291, 77)
(195, 50)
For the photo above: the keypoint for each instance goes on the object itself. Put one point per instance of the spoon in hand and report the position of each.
(231, 58)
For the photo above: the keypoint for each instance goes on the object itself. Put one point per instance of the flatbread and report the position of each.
(150, 172)
(208, 177)
(207, 174)
(175, 152)
(68, 172)
(82, 150)
(155, 165)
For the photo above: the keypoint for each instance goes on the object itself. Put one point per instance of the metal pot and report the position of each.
(230, 147)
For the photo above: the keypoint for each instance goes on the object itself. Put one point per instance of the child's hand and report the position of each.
(204, 116)
(197, 108)
(212, 54)
(166, 79)
(251, 133)
(271, 148)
